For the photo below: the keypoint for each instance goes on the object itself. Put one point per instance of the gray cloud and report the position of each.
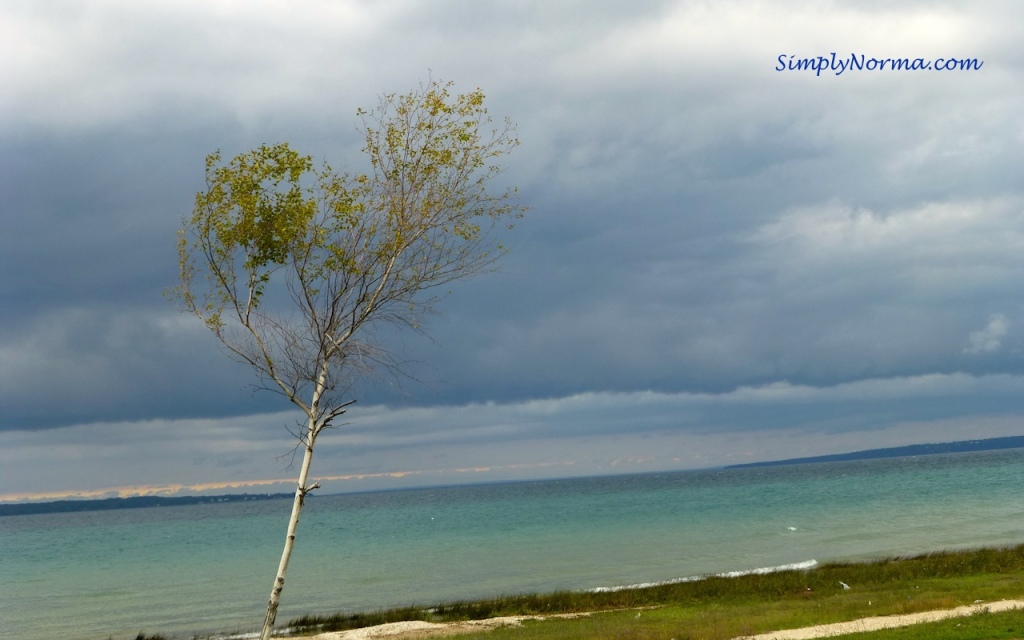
(991, 337)
(701, 224)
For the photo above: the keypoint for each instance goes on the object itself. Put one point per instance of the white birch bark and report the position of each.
(301, 490)
(289, 543)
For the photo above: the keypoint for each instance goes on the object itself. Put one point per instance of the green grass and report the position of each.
(719, 608)
(720, 624)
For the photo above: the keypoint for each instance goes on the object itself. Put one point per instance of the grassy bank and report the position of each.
(718, 608)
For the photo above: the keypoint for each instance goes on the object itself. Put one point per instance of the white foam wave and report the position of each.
(796, 566)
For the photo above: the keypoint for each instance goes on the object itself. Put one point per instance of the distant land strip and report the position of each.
(962, 446)
(135, 502)
(63, 506)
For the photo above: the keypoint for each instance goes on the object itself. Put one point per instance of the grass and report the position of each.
(718, 608)
(720, 625)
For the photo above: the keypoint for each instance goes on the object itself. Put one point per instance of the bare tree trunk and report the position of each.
(293, 524)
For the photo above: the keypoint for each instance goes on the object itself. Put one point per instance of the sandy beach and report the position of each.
(419, 629)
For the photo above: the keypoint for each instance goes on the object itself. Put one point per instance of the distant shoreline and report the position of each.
(961, 446)
(134, 502)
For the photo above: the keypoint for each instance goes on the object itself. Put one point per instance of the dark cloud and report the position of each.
(701, 223)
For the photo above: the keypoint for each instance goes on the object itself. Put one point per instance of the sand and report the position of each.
(419, 629)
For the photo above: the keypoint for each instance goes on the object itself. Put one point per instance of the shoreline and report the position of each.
(886, 593)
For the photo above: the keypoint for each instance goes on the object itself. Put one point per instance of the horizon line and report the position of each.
(174, 489)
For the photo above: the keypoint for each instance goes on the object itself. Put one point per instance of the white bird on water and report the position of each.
(845, 586)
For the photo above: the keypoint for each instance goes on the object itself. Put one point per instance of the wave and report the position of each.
(796, 566)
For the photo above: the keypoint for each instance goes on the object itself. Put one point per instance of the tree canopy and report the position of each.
(348, 251)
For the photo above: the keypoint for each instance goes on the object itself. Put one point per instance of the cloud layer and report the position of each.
(704, 228)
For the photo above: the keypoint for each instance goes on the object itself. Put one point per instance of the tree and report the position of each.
(291, 265)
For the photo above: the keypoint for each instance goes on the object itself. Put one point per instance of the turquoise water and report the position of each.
(206, 568)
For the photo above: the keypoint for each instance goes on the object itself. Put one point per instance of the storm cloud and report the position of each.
(717, 251)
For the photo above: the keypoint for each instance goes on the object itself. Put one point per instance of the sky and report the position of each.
(727, 259)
